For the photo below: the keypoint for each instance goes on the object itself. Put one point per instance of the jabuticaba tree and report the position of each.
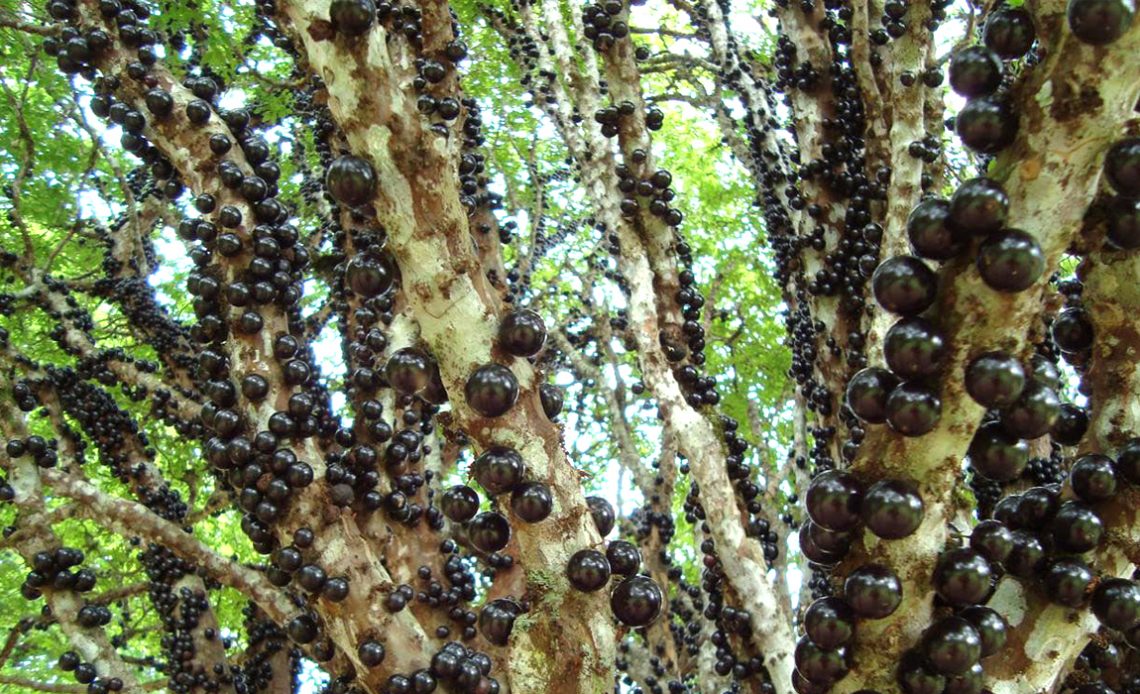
(663, 346)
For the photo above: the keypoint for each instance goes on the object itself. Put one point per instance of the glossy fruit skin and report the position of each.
(829, 540)
(996, 455)
(928, 228)
(952, 645)
(496, 620)
(371, 653)
(904, 285)
(873, 591)
(368, 276)
(1093, 477)
(1009, 32)
(975, 71)
(352, 17)
(624, 558)
(1100, 22)
(636, 601)
(588, 570)
(491, 390)
(995, 379)
(992, 539)
(522, 333)
(460, 503)
(917, 676)
(819, 665)
(969, 682)
(532, 501)
(829, 623)
(489, 531)
(813, 552)
(991, 626)
(1010, 261)
(1123, 222)
(1070, 426)
(1027, 555)
(1072, 330)
(914, 348)
(1122, 166)
(1077, 528)
(913, 409)
(892, 509)
(1034, 412)
(833, 499)
(1066, 582)
(979, 206)
(351, 181)
(408, 370)
(1128, 460)
(498, 469)
(962, 577)
(986, 125)
(602, 512)
(867, 393)
(552, 400)
(1116, 603)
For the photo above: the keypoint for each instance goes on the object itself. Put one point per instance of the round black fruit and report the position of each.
(498, 469)
(1122, 166)
(367, 276)
(979, 206)
(1100, 22)
(904, 285)
(1009, 32)
(829, 623)
(1093, 477)
(602, 512)
(914, 348)
(1123, 222)
(489, 531)
(532, 501)
(1067, 581)
(892, 509)
(352, 17)
(1010, 261)
(588, 570)
(491, 390)
(867, 393)
(636, 601)
(873, 591)
(1034, 412)
(930, 233)
(460, 503)
(1070, 426)
(991, 627)
(913, 409)
(351, 181)
(952, 645)
(408, 370)
(522, 333)
(833, 499)
(996, 455)
(1073, 330)
(986, 125)
(624, 557)
(995, 379)
(1116, 603)
(975, 71)
(962, 577)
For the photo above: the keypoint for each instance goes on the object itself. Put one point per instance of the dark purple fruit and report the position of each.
(1077, 528)
(532, 501)
(968, 682)
(636, 601)
(975, 71)
(829, 623)
(1037, 507)
(460, 503)
(873, 591)
(903, 284)
(371, 653)
(498, 469)
(995, 379)
(1122, 166)
(1100, 22)
(992, 539)
(1070, 426)
(867, 393)
(489, 531)
(952, 645)
(624, 558)
(930, 233)
(1034, 412)
(914, 348)
(522, 333)
(588, 570)
(491, 390)
(913, 409)
(552, 399)
(1116, 603)
(814, 552)
(1067, 582)
(1026, 556)
(408, 370)
(352, 17)
(996, 455)
(1128, 461)
(819, 665)
(1093, 477)
(892, 509)
(496, 620)
(602, 512)
(833, 499)
(351, 181)
(829, 540)
(986, 125)
(1009, 32)
(990, 625)
(367, 276)
(1123, 222)
(917, 675)
(962, 577)
(1010, 261)
(1072, 330)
